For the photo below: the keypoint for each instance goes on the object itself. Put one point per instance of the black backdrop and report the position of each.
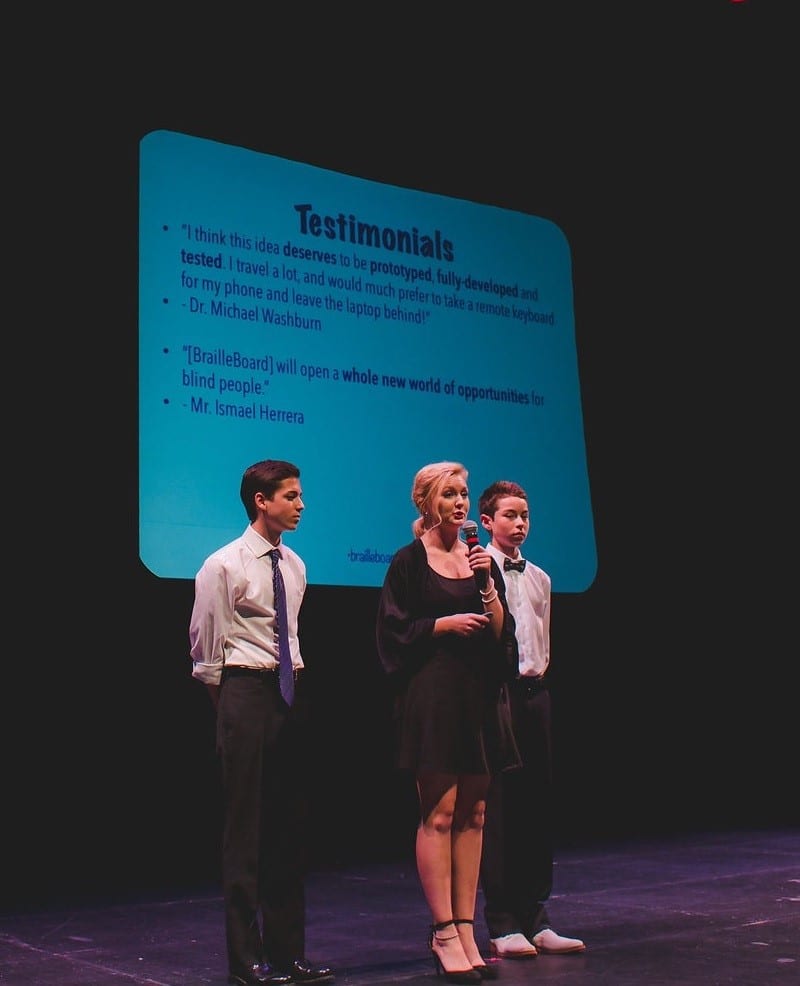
(658, 140)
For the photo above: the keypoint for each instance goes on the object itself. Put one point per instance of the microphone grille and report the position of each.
(469, 529)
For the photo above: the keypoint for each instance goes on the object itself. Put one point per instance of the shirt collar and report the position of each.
(499, 557)
(259, 545)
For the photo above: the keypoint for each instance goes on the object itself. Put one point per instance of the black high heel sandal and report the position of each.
(484, 971)
(465, 976)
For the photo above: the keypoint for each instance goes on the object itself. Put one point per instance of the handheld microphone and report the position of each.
(470, 531)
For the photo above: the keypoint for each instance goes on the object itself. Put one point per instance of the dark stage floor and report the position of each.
(701, 910)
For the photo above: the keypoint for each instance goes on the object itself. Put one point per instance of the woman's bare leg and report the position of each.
(437, 798)
(467, 841)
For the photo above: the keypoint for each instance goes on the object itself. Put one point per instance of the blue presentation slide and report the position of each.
(360, 330)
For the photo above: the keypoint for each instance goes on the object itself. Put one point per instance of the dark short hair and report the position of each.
(264, 477)
(487, 503)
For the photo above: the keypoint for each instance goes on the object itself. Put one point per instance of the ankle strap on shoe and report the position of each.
(440, 926)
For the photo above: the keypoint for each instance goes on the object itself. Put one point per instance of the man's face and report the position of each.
(284, 509)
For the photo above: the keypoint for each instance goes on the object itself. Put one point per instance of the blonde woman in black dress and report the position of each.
(445, 636)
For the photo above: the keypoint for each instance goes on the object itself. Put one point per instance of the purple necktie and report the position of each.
(285, 670)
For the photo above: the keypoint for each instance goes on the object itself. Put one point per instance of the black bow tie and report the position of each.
(508, 565)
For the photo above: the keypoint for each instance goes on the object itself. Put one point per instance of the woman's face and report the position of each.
(452, 502)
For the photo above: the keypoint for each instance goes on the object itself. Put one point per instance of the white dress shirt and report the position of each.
(528, 598)
(233, 617)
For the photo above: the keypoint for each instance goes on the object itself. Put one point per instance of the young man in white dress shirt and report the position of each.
(238, 652)
(517, 858)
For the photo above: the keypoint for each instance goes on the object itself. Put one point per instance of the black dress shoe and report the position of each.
(260, 975)
(302, 971)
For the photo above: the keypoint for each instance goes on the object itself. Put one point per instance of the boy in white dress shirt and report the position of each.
(241, 637)
(517, 858)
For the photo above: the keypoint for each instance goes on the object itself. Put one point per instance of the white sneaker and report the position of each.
(514, 946)
(548, 941)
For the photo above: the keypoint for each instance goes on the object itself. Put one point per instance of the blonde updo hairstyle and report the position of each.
(428, 484)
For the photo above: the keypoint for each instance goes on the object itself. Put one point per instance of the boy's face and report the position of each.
(282, 512)
(510, 524)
